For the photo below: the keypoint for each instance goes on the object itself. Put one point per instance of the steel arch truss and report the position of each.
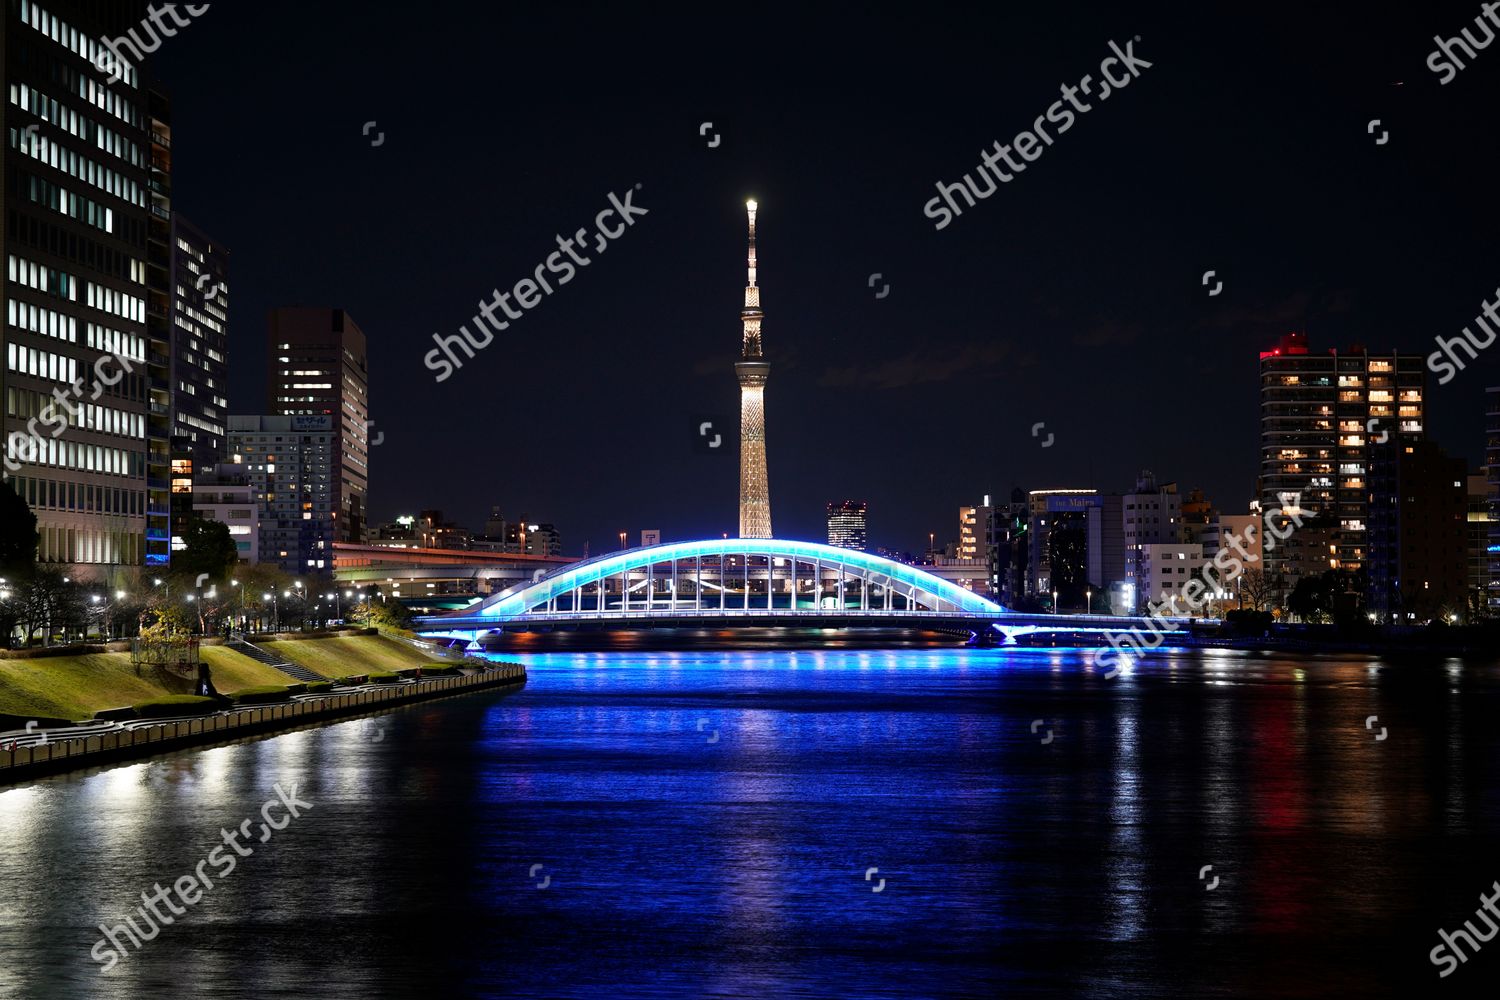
(728, 576)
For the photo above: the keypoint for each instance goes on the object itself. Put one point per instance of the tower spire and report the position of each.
(753, 371)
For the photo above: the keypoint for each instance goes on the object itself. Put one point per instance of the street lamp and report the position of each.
(275, 610)
(1054, 602)
(1089, 594)
(622, 541)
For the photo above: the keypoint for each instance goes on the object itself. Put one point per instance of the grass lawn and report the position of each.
(75, 687)
(346, 655)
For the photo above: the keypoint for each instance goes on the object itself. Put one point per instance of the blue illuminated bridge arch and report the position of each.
(745, 581)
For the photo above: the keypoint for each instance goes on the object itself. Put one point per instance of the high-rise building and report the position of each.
(223, 493)
(318, 367)
(289, 464)
(1319, 415)
(847, 527)
(1418, 563)
(85, 175)
(1120, 526)
(159, 333)
(976, 528)
(1010, 549)
(1479, 528)
(200, 349)
(753, 371)
(1058, 539)
(1492, 465)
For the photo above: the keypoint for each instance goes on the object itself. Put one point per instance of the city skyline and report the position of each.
(1135, 442)
(1265, 295)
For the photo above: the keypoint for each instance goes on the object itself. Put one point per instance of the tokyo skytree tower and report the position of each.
(752, 369)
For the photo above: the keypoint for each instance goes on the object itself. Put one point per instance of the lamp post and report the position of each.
(1089, 596)
(1054, 602)
(275, 610)
(622, 541)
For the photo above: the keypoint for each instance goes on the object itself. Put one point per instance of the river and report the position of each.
(801, 823)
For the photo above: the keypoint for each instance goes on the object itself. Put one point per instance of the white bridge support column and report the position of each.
(747, 582)
(818, 584)
(650, 585)
(697, 583)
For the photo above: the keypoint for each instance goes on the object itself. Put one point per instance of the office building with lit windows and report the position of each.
(846, 524)
(224, 493)
(200, 350)
(976, 527)
(288, 463)
(80, 188)
(318, 368)
(1319, 414)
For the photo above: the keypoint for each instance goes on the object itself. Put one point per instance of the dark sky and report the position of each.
(1072, 296)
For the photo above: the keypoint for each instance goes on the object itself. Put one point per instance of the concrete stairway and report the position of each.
(239, 645)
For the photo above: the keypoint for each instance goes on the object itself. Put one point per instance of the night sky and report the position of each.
(1073, 296)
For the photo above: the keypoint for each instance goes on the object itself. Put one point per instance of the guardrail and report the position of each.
(143, 737)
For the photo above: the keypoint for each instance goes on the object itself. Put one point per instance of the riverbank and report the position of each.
(129, 740)
(81, 683)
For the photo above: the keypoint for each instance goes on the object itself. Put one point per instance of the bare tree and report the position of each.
(1256, 589)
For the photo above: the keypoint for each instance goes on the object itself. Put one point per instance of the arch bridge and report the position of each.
(746, 582)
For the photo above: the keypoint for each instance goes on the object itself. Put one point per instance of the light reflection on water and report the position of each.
(681, 865)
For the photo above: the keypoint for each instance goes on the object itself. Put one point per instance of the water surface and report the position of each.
(706, 824)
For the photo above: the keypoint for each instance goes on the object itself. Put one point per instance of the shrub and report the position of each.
(317, 687)
(353, 680)
(382, 678)
(176, 704)
(439, 669)
(260, 695)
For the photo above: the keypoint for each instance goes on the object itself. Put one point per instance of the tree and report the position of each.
(1309, 600)
(18, 534)
(1256, 588)
(381, 614)
(208, 549)
(49, 603)
(1333, 595)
